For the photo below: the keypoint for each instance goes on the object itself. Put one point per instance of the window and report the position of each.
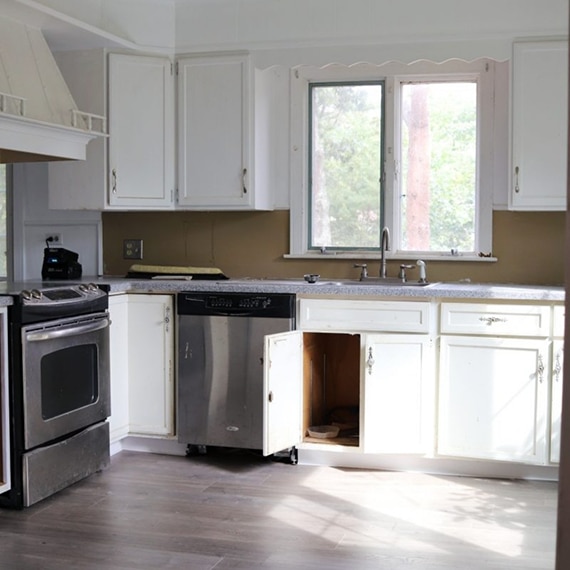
(346, 161)
(437, 187)
(397, 146)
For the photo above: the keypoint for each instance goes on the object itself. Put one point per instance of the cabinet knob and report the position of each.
(270, 396)
(540, 369)
(558, 367)
(370, 361)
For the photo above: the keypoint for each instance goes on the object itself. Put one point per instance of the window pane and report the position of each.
(346, 137)
(438, 155)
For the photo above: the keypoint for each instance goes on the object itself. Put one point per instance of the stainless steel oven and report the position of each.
(59, 389)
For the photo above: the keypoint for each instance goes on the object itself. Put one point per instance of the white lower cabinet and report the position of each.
(142, 365)
(493, 398)
(119, 358)
(4, 411)
(151, 365)
(377, 388)
(399, 393)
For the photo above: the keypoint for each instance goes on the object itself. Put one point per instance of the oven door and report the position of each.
(66, 384)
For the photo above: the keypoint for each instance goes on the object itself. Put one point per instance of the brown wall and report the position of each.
(529, 246)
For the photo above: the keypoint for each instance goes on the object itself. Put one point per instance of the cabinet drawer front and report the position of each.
(489, 319)
(394, 316)
(558, 318)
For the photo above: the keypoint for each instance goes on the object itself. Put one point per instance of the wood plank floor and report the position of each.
(231, 510)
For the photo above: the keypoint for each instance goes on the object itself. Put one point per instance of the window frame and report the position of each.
(316, 84)
(393, 73)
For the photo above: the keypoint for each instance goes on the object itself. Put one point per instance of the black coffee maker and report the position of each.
(60, 263)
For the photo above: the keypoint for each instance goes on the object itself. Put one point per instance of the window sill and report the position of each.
(462, 258)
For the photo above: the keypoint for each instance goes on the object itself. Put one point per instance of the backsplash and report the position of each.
(529, 246)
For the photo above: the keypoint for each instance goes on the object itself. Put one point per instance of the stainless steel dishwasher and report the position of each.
(220, 365)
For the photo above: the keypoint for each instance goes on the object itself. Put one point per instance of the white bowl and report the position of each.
(324, 432)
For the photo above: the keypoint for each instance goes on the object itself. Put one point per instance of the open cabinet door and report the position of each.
(282, 391)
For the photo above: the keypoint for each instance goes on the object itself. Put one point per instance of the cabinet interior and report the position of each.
(331, 384)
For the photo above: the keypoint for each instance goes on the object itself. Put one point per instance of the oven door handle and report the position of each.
(68, 331)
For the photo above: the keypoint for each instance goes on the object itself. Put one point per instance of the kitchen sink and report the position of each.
(378, 282)
(370, 282)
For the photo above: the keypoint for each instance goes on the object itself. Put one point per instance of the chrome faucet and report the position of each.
(384, 246)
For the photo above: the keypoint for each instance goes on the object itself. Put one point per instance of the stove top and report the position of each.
(43, 301)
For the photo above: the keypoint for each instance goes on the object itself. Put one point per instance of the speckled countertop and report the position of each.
(344, 288)
(324, 287)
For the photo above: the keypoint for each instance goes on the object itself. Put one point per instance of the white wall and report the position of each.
(385, 28)
(32, 220)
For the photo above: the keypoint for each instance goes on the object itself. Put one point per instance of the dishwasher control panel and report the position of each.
(247, 304)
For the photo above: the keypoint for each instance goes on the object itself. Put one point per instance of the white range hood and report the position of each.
(38, 118)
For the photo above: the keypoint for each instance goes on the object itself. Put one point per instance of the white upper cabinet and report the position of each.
(215, 139)
(539, 125)
(141, 129)
(134, 168)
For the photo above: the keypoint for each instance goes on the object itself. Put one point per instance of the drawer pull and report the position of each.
(491, 320)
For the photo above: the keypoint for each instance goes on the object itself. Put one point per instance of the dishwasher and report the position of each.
(220, 365)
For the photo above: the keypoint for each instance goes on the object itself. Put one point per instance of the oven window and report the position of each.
(69, 380)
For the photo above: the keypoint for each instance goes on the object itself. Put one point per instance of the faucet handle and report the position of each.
(402, 274)
(364, 270)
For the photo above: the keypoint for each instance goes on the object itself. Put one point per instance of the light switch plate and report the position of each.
(132, 249)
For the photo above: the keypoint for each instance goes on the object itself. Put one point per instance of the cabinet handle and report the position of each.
(270, 396)
(540, 369)
(114, 180)
(517, 187)
(243, 175)
(370, 361)
(491, 320)
(167, 318)
(557, 367)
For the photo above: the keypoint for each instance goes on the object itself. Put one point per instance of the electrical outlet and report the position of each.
(132, 249)
(54, 239)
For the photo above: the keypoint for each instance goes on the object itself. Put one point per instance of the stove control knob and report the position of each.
(83, 288)
(36, 294)
(26, 295)
(93, 288)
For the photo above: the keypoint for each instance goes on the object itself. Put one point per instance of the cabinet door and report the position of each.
(214, 96)
(4, 411)
(539, 125)
(492, 398)
(282, 391)
(141, 132)
(556, 400)
(119, 358)
(151, 354)
(398, 394)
